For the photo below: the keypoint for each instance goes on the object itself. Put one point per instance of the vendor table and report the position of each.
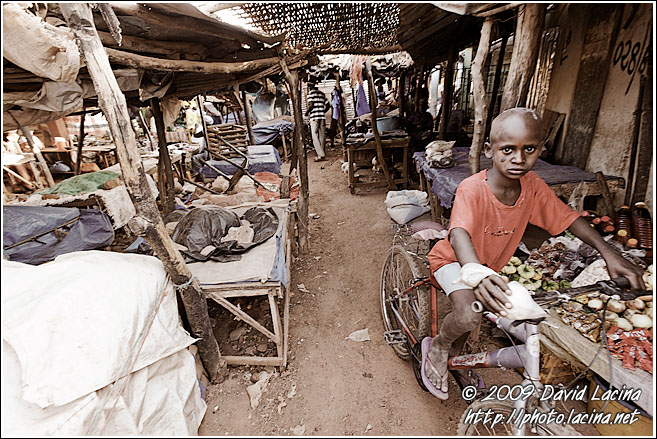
(356, 157)
(68, 155)
(263, 271)
(441, 184)
(570, 346)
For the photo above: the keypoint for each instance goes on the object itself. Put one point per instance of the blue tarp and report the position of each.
(87, 229)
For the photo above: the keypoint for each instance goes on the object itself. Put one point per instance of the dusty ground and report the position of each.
(333, 386)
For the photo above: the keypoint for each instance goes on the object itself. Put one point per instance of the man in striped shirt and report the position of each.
(317, 107)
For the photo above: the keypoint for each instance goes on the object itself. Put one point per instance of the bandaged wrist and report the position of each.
(471, 274)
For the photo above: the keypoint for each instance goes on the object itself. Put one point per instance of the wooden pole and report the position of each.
(496, 83)
(39, 156)
(295, 93)
(144, 126)
(199, 100)
(78, 159)
(341, 117)
(480, 98)
(377, 137)
(526, 42)
(644, 157)
(147, 221)
(164, 170)
(448, 89)
(247, 115)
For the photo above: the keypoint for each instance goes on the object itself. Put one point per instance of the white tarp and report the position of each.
(74, 324)
(38, 47)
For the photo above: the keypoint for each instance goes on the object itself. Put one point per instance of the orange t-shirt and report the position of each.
(495, 228)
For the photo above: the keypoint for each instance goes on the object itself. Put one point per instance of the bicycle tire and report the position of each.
(506, 408)
(399, 272)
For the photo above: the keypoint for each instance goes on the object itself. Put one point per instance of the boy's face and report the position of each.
(515, 145)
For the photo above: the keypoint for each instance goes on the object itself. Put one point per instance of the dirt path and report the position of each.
(335, 386)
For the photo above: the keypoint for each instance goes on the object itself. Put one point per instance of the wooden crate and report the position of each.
(233, 134)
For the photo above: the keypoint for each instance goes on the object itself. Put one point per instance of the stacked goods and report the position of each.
(585, 313)
(633, 348)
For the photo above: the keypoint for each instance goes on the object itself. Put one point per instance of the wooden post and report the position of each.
(78, 159)
(448, 89)
(247, 115)
(496, 83)
(302, 210)
(377, 137)
(480, 98)
(341, 118)
(147, 222)
(39, 156)
(144, 126)
(644, 157)
(164, 171)
(526, 42)
(400, 94)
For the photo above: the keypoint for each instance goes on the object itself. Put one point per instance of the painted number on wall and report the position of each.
(632, 56)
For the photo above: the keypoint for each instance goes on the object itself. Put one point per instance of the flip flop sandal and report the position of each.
(435, 391)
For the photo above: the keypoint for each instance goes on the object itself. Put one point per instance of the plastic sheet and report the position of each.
(92, 230)
(204, 227)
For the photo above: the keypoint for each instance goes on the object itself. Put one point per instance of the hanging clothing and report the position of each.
(336, 104)
(362, 107)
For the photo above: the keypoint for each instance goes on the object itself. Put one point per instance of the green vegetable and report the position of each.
(564, 284)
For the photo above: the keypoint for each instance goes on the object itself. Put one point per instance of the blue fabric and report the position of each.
(445, 181)
(261, 158)
(361, 102)
(335, 103)
(265, 132)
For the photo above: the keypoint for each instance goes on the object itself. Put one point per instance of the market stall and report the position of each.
(612, 340)
(441, 183)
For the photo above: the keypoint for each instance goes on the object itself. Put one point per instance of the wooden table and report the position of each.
(356, 158)
(570, 346)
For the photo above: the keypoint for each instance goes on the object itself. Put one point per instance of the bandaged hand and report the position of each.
(489, 288)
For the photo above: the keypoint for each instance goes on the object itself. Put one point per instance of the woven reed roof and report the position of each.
(346, 25)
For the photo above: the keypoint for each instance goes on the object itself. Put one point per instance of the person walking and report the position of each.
(318, 105)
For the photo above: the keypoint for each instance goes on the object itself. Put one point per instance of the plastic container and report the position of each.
(624, 219)
(388, 123)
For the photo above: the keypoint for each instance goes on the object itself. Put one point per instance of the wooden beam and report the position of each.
(247, 115)
(164, 170)
(174, 65)
(78, 159)
(377, 137)
(448, 89)
(480, 98)
(38, 155)
(644, 159)
(147, 221)
(167, 48)
(362, 51)
(292, 79)
(496, 83)
(526, 42)
(147, 130)
(205, 27)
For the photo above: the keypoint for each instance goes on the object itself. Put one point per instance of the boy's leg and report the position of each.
(461, 320)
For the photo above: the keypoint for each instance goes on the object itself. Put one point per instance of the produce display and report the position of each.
(559, 262)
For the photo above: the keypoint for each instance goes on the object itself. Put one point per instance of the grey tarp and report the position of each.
(87, 229)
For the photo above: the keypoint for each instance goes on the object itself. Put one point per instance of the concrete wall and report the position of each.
(611, 145)
(611, 142)
(572, 24)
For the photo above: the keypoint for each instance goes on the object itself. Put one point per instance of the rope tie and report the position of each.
(181, 287)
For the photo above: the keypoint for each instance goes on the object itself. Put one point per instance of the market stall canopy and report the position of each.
(156, 50)
(344, 27)
(427, 31)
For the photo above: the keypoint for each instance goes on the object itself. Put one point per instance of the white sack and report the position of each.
(38, 47)
(523, 306)
(406, 205)
(162, 399)
(74, 322)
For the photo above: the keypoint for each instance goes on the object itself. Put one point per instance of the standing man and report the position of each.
(318, 105)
